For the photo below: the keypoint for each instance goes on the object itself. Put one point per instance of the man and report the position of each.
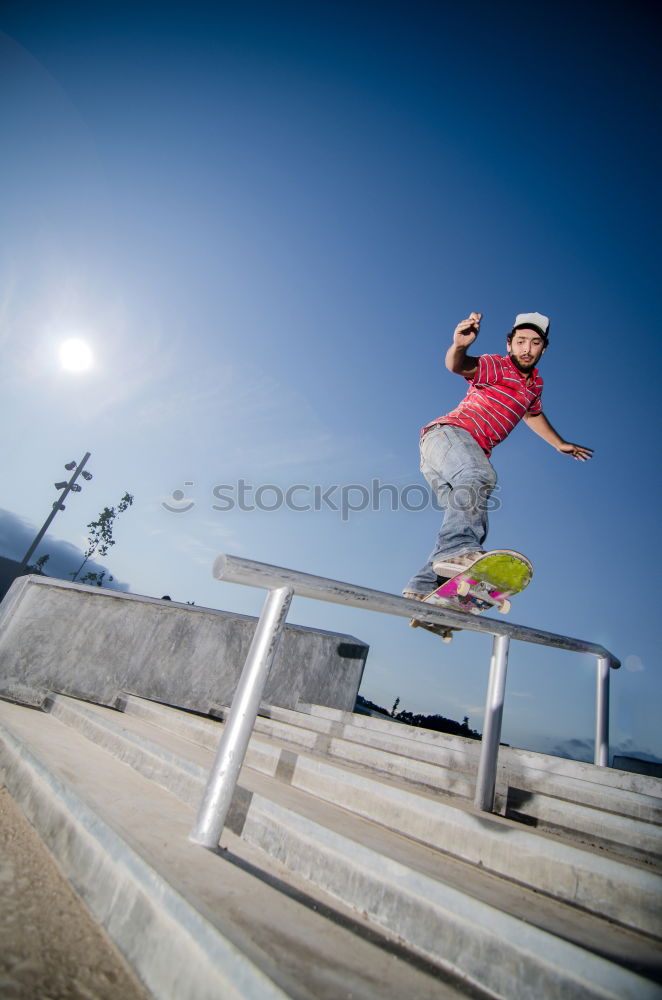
(455, 449)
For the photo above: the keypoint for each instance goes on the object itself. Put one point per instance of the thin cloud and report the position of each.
(204, 552)
(583, 750)
(257, 420)
(629, 748)
(573, 749)
(471, 709)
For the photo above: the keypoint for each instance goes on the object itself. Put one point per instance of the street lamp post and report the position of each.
(67, 487)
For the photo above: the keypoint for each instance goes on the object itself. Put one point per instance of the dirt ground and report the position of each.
(52, 949)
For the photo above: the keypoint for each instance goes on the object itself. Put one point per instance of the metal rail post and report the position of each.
(602, 712)
(243, 713)
(489, 751)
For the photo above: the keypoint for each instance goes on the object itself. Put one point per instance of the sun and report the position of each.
(75, 355)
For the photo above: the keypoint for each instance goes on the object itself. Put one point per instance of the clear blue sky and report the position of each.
(266, 220)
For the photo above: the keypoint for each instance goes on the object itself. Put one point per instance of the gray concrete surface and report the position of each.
(335, 720)
(95, 643)
(52, 947)
(562, 870)
(318, 841)
(197, 925)
(541, 789)
(314, 870)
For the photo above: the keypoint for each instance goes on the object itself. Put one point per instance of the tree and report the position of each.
(38, 566)
(100, 537)
(395, 705)
(96, 578)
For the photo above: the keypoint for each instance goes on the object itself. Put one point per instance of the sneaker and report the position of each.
(413, 595)
(456, 564)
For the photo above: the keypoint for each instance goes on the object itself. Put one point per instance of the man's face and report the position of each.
(526, 349)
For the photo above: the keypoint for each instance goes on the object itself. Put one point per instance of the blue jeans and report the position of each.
(462, 478)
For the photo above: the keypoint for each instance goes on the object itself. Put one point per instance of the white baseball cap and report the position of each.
(534, 320)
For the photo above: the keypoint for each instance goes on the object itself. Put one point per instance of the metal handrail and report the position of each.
(281, 585)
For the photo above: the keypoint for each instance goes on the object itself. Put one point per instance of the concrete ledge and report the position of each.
(94, 643)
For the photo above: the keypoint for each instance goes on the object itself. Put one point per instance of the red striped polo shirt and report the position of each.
(499, 396)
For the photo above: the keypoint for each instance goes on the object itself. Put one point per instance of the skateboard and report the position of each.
(489, 582)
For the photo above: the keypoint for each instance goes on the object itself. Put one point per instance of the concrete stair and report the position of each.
(616, 810)
(353, 863)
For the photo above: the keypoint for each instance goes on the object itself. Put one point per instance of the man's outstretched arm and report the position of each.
(457, 359)
(541, 425)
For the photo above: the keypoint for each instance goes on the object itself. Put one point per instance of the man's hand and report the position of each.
(541, 425)
(466, 332)
(576, 451)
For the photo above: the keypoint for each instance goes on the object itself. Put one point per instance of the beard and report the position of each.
(524, 368)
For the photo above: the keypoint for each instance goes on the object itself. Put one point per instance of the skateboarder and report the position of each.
(455, 448)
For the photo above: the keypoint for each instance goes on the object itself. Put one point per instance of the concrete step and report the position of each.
(624, 822)
(550, 793)
(194, 924)
(629, 894)
(397, 885)
(454, 777)
(512, 756)
(559, 869)
(169, 943)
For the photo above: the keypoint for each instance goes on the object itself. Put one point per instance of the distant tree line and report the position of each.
(436, 722)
